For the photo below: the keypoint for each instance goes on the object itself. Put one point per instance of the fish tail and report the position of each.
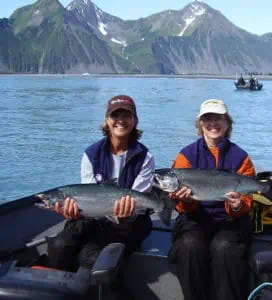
(267, 175)
(266, 179)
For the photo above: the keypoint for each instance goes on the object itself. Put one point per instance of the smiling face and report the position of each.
(214, 127)
(121, 123)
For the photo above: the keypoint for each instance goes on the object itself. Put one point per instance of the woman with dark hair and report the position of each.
(117, 158)
(211, 239)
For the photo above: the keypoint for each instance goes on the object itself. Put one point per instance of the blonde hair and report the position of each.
(228, 132)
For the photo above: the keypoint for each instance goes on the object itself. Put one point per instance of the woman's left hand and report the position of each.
(124, 208)
(234, 200)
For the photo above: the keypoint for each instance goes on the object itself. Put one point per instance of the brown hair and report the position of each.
(228, 132)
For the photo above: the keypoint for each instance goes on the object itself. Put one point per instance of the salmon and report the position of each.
(97, 200)
(209, 184)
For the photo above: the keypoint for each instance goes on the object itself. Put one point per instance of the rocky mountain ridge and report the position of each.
(46, 37)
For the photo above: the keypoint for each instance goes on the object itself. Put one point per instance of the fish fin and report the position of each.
(113, 219)
(143, 211)
(165, 215)
(149, 211)
(109, 182)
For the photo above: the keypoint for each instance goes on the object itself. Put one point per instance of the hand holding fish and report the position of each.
(70, 209)
(234, 200)
(104, 200)
(123, 208)
(183, 194)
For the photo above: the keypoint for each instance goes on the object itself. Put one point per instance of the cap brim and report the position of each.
(109, 112)
(212, 111)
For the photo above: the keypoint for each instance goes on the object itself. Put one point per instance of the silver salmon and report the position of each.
(97, 200)
(208, 184)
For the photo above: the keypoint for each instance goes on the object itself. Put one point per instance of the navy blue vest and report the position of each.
(230, 158)
(99, 155)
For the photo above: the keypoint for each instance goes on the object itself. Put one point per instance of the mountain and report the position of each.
(46, 37)
(56, 42)
(10, 48)
(199, 39)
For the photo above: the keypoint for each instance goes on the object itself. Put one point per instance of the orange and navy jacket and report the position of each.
(227, 156)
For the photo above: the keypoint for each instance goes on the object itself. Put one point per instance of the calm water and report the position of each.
(48, 121)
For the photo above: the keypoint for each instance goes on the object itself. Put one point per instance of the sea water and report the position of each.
(47, 122)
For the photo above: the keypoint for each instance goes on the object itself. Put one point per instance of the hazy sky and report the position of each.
(250, 15)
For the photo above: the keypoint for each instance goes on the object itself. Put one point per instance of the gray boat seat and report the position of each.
(29, 283)
(262, 267)
(148, 275)
(261, 258)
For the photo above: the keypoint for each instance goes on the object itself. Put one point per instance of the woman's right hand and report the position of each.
(183, 194)
(69, 210)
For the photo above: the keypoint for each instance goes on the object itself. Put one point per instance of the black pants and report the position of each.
(212, 260)
(81, 241)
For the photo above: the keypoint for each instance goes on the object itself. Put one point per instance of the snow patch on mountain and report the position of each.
(119, 42)
(100, 25)
(102, 28)
(194, 11)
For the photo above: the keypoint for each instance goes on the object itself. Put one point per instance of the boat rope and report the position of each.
(258, 289)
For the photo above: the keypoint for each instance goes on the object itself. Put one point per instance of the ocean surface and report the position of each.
(47, 121)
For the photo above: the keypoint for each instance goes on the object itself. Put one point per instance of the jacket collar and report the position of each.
(222, 146)
(134, 148)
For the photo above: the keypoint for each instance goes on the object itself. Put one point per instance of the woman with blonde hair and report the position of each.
(211, 239)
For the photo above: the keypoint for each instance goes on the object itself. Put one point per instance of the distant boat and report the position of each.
(253, 84)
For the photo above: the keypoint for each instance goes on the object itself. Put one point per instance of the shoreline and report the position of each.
(193, 76)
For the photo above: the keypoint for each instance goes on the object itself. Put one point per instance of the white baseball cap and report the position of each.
(212, 106)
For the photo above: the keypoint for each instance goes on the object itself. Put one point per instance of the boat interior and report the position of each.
(146, 273)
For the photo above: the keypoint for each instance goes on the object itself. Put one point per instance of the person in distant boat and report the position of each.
(118, 158)
(252, 82)
(241, 80)
(211, 240)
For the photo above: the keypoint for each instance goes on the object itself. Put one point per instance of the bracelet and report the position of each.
(237, 208)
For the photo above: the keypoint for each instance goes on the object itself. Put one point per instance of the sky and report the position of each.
(246, 14)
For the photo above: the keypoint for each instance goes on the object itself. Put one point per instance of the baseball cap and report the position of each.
(121, 102)
(212, 106)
